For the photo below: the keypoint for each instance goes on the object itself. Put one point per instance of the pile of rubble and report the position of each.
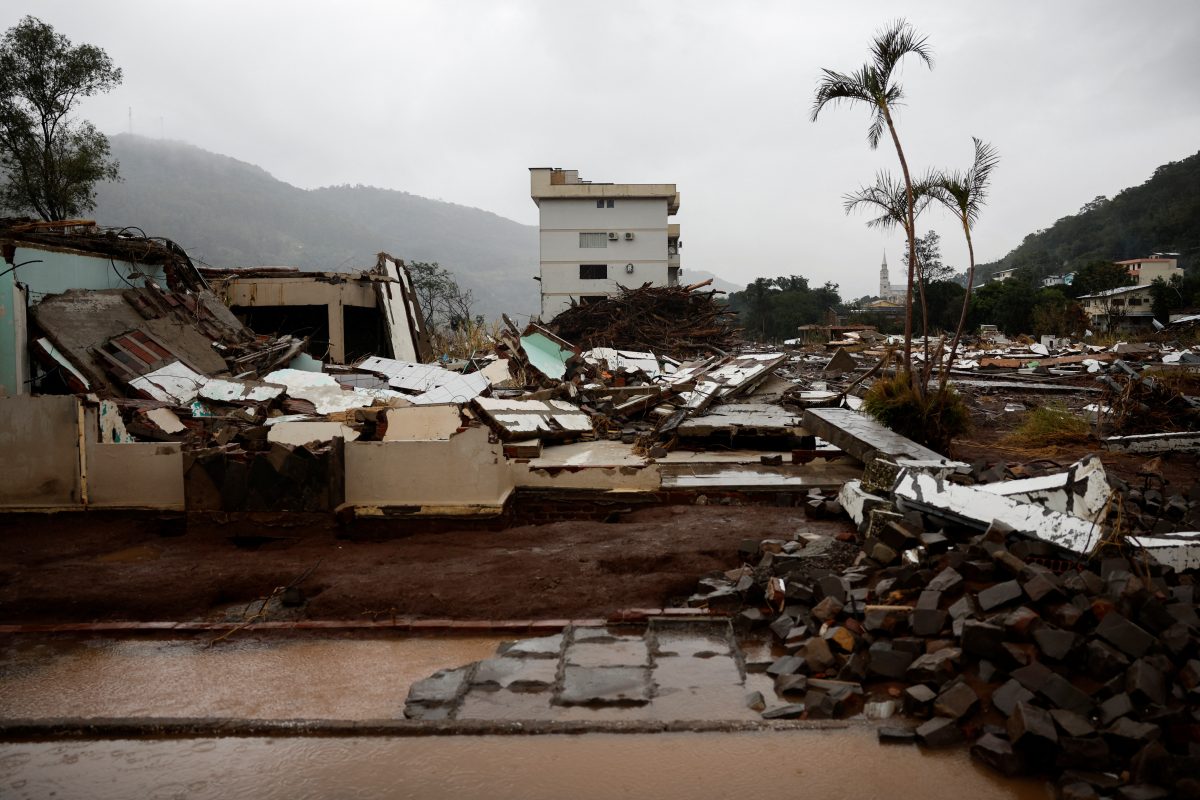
(1047, 654)
(667, 319)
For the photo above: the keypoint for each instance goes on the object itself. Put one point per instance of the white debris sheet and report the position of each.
(174, 383)
(977, 508)
(427, 384)
(302, 433)
(325, 393)
(1082, 490)
(615, 360)
(528, 419)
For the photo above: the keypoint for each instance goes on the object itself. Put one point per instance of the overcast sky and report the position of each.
(455, 100)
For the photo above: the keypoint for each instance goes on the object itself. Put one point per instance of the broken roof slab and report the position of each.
(859, 435)
(977, 508)
(428, 384)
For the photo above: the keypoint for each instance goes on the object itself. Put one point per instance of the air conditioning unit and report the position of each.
(629, 237)
(612, 237)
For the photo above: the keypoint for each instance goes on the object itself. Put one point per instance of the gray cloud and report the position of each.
(454, 100)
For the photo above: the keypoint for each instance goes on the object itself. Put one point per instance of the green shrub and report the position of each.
(1050, 425)
(933, 420)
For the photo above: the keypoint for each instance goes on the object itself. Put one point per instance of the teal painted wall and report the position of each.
(56, 273)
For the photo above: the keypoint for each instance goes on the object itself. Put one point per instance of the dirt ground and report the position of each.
(101, 567)
(68, 568)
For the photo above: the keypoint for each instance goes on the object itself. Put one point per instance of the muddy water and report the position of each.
(265, 679)
(827, 765)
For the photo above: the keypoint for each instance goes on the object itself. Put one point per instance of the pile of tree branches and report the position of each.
(673, 320)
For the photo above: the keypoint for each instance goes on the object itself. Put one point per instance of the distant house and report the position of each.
(889, 307)
(1123, 308)
(1003, 274)
(1058, 280)
(1146, 270)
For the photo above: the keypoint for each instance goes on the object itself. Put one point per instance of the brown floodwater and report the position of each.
(280, 678)
(825, 765)
(269, 678)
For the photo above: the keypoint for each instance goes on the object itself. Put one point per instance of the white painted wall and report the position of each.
(561, 256)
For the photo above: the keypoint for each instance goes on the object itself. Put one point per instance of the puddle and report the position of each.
(254, 678)
(830, 765)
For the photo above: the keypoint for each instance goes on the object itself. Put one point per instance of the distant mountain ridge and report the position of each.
(229, 213)
(1160, 215)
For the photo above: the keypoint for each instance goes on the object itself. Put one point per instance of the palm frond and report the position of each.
(837, 87)
(888, 196)
(893, 43)
(965, 193)
(980, 175)
(875, 132)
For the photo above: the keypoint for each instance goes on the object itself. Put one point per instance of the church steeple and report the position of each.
(885, 280)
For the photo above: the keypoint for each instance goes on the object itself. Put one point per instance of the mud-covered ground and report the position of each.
(98, 567)
(86, 567)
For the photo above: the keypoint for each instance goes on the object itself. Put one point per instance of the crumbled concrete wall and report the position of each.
(39, 443)
(463, 471)
(135, 475)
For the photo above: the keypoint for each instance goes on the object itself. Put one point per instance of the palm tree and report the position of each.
(874, 85)
(963, 194)
(889, 197)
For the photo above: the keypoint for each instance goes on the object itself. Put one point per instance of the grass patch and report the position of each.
(1048, 426)
(933, 420)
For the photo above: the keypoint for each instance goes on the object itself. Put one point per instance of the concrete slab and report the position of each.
(506, 705)
(690, 672)
(859, 435)
(541, 647)
(604, 686)
(621, 653)
(750, 477)
(515, 674)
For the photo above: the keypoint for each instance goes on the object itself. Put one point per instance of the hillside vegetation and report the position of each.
(226, 212)
(1160, 215)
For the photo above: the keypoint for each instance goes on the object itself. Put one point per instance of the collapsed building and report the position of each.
(133, 381)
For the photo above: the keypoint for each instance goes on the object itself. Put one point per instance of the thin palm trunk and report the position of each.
(962, 319)
(910, 228)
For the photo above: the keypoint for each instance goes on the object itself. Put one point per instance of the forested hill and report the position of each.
(229, 213)
(1161, 215)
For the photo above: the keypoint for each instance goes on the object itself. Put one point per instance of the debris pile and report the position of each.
(988, 614)
(678, 320)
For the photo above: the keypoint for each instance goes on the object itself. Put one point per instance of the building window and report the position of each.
(593, 272)
(608, 203)
(593, 240)
(604, 204)
(599, 204)
(588, 299)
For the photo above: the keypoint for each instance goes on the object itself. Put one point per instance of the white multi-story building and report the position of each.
(594, 236)
(1145, 270)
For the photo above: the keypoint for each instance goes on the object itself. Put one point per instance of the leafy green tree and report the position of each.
(1056, 314)
(929, 257)
(944, 301)
(771, 309)
(1180, 294)
(443, 302)
(963, 194)
(1006, 304)
(874, 85)
(1100, 276)
(50, 162)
